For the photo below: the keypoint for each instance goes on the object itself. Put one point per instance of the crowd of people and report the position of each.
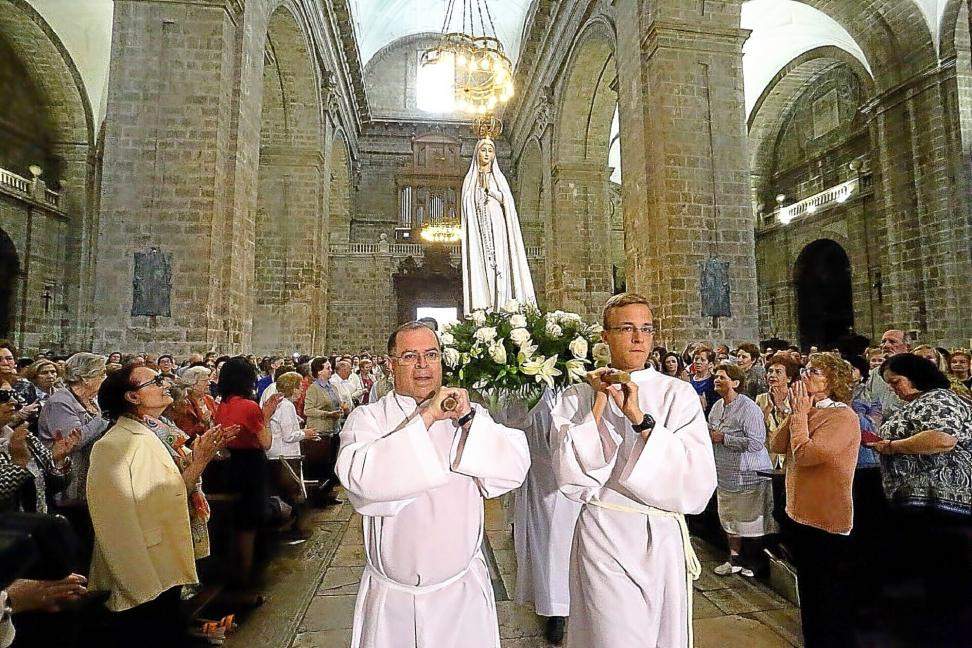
(126, 448)
(871, 445)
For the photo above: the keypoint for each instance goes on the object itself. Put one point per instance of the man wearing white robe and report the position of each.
(419, 482)
(638, 456)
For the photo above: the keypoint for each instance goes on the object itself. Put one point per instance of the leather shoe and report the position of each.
(554, 631)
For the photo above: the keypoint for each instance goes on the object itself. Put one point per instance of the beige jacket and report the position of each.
(316, 403)
(140, 513)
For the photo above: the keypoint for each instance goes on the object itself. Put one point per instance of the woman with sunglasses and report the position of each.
(139, 505)
(820, 438)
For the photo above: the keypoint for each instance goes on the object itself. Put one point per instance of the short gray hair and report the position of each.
(82, 366)
(189, 376)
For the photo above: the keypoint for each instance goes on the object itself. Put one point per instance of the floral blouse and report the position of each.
(940, 481)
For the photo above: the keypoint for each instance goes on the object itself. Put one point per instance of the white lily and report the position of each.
(542, 369)
(576, 370)
(578, 347)
(451, 357)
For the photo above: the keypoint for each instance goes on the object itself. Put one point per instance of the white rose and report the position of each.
(512, 306)
(478, 317)
(485, 334)
(570, 318)
(518, 321)
(447, 339)
(520, 336)
(498, 353)
(451, 357)
(602, 354)
(595, 329)
(576, 370)
(553, 330)
(578, 347)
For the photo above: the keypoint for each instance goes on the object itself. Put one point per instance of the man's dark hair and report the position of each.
(734, 372)
(23, 363)
(236, 378)
(111, 394)
(165, 355)
(922, 373)
(416, 325)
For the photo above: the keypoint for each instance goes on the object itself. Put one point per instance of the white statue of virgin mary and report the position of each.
(494, 264)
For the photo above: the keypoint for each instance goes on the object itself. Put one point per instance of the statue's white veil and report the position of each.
(477, 284)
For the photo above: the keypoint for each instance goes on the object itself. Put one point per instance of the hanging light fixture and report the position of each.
(483, 72)
(443, 229)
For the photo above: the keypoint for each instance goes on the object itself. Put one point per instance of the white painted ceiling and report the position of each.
(379, 22)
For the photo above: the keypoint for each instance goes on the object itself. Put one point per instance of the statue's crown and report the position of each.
(488, 127)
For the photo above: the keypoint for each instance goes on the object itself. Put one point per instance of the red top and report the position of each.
(248, 415)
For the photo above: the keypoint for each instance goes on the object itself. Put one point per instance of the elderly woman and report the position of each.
(739, 444)
(43, 373)
(958, 366)
(781, 372)
(748, 359)
(820, 438)
(926, 459)
(194, 412)
(140, 512)
(324, 407)
(285, 452)
(934, 356)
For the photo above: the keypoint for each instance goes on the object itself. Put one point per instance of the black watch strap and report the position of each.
(466, 418)
(647, 423)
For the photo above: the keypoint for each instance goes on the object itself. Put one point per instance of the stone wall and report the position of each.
(25, 128)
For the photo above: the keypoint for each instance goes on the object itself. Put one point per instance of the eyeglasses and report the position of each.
(412, 357)
(629, 329)
(159, 380)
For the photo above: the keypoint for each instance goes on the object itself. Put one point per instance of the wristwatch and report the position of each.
(647, 424)
(466, 418)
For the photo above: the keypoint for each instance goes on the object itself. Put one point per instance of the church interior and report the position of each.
(259, 177)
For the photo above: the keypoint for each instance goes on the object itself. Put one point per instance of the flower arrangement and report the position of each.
(520, 350)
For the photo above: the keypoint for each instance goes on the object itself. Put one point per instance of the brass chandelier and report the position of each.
(483, 72)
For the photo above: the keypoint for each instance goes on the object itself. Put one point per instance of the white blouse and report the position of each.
(286, 431)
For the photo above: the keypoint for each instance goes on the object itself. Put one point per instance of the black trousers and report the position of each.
(826, 596)
(154, 624)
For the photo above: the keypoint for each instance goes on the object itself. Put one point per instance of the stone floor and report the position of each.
(311, 590)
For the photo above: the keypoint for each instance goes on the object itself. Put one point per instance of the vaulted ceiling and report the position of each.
(380, 22)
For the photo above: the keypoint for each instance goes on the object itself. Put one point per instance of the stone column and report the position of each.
(917, 158)
(686, 186)
(577, 247)
(175, 174)
(290, 253)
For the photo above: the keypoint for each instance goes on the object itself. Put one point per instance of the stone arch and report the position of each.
(588, 98)
(825, 302)
(956, 42)
(954, 11)
(51, 68)
(767, 119)
(9, 284)
(289, 239)
(530, 199)
(893, 35)
(339, 202)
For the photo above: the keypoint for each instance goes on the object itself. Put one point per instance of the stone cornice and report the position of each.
(909, 89)
(580, 171)
(682, 35)
(277, 155)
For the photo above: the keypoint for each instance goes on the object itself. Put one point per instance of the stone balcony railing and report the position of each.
(33, 190)
(406, 249)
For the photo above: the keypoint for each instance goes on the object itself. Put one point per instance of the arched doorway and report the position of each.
(9, 278)
(824, 297)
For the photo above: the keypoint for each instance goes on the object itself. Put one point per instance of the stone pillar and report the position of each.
(290, 255)
(917, 158)
(577, 247)
(174, 177)
(686, 185)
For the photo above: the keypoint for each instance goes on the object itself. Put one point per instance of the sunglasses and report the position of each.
(159, 381)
